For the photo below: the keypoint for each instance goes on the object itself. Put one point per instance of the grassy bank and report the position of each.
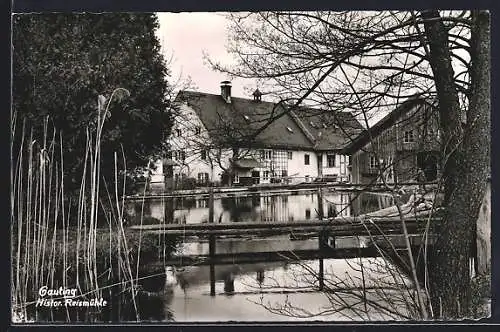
(120, 268)
(57, 236)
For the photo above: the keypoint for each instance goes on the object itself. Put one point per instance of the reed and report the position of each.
(57, 240)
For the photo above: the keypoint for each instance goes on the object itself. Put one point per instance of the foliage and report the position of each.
(62, 63)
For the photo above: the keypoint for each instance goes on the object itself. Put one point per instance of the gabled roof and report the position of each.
(239, 120)
(387, 121)
(331, 130)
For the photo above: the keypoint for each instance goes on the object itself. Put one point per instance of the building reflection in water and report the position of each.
(258, 207)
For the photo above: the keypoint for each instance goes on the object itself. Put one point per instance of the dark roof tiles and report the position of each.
(239, 121)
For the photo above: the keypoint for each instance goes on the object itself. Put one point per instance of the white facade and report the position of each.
(299, 170)
(192, 152)
(334, 164)
(292, 166)
(194, 156)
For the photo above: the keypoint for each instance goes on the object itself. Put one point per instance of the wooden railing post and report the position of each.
(321, 242)
(211, 205)
(211, 244)
(321, 249)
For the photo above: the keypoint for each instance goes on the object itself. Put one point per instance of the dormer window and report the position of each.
(289, 129)
(246, 117)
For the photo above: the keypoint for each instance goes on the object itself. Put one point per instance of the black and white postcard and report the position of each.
(271, 166)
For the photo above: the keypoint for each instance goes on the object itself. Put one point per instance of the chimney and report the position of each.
(225, 91)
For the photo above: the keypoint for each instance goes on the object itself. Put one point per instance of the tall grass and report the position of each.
(56, 242)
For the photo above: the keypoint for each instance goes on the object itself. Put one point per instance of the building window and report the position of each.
(307, 178)
(203, 154)
(373, 162)
(390, 168)
(330, 160)
(236, 178)
(265, 175)
(202, 178)
(290, 155)
(306, 159)
(181, 155)
(308, 214)
(178, 132)
(408, 136)
(266, 154)
(197, 130)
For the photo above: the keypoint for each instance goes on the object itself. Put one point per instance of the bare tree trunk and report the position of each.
(449, 107)
(466, 161)
(483, 240)
(477, 134)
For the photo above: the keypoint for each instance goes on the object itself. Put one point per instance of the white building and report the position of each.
(221, 139)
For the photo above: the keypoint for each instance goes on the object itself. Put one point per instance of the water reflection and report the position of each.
(185, 295)
(258, 207)
(245, 292)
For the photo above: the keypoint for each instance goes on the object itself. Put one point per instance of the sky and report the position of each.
(184, 38)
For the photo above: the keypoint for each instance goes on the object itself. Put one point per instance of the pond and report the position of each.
(257, 207)
(261, 290)
(278, 291)
(284, 290)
